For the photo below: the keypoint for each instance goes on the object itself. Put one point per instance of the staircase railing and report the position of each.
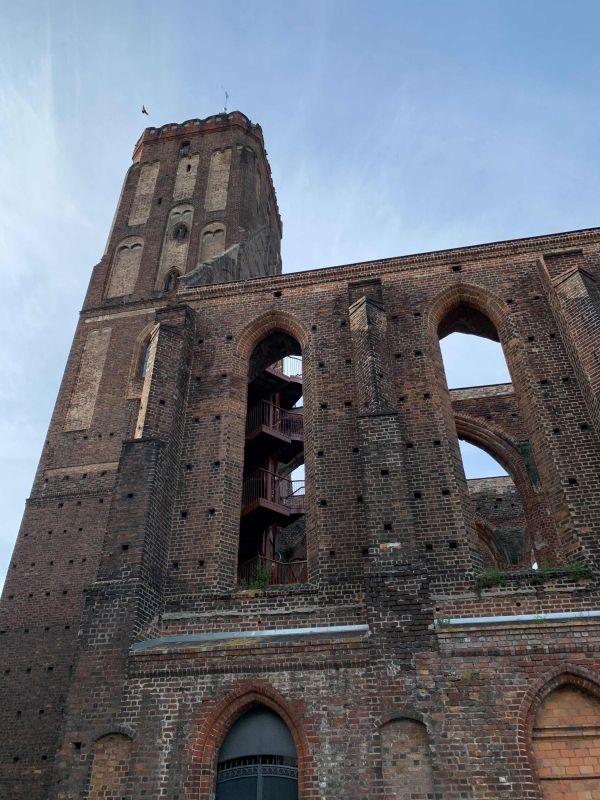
(265, 485)
(277, 419)
(261, 571)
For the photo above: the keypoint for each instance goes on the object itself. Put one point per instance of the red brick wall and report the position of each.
(141, 533)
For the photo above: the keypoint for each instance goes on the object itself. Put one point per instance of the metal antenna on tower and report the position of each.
(226, 99)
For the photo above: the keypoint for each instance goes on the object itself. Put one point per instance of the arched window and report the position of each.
(257, 760)
(471, 349)
(180, 232)
(497, 508)
(566, 744)
(212, 242)
(272, 543)
(171, 280)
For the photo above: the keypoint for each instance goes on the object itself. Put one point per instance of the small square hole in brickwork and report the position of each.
(429, 547)
(211, 512)
(175, 565)
(555, 431)
(15, 759)
(159, 201)
(385, 472)
(445, 492)
(583, 426)
(348, 361)
(437, 442)
(320, 453)
(387, 526)
(161, 402)
(101, 500)
(365, 551)
(196, 420)
(321, 364)
(332, 554)
(347, 403)
(355, 450)
(417, 314)
(228, 338)
(183, 514)
(531, 338)
(28, 670)
(76, 745)
(417, 495)
(509, 301)
(452, 544)
(277, 294)
(342, 323)
(200, 341)
(488, 416)
(124, 547)
(201, 562)
(553, 336)
(130, 495)
(418, 352)
(223, 374)
(324, 406)
(544, 382)
(216, 464)
(359, 499)
(60, 505)
(566, 379)
(573, 481)
(409, 445)
(427, 396)
(322, 503)
(188, 467)
(313, 327)
(456, 268)
(398, 356)
(401, 399)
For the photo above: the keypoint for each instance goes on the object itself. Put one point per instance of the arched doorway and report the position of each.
(258, 760)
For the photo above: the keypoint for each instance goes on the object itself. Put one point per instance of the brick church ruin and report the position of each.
(187, 615)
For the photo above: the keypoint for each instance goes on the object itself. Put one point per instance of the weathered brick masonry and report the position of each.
(365, 614)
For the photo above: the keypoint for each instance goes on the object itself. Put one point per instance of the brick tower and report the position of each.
(189, 614)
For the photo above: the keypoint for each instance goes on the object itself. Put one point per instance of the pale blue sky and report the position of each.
(392, 127)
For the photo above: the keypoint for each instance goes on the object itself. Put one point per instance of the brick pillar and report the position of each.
(395, 584)
(127, 591)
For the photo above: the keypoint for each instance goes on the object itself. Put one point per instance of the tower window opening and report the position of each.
(272, 543)
(184, 149)
(180, 232)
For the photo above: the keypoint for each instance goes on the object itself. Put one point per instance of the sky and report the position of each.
(391, 127)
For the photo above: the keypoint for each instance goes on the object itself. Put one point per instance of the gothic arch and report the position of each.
(564, 676)
(214, 721)
(491, 310)
(125, 266)
(142, 341)
(477, 298)
(271, 322)
(500, 447)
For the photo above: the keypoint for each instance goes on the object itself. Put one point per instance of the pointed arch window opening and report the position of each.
(497, 507)
(272, 542)
(471, 350)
